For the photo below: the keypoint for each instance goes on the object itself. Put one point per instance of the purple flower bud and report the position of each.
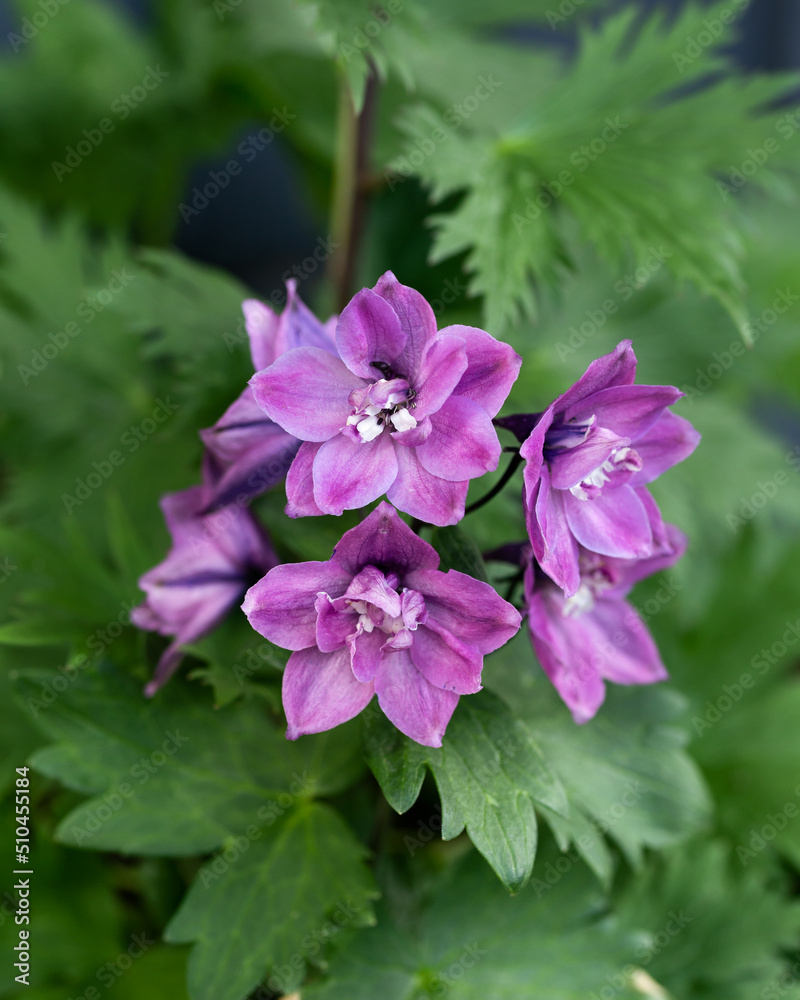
(379, 618)
(247, 451)
(213, 560)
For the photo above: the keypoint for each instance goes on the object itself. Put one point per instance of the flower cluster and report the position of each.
(593, 526)
(380, 402)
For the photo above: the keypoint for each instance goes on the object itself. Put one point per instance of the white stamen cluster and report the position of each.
(602, 474)
(371, 419)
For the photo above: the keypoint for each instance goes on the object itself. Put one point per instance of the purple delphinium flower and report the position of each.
(213, 560)
(379, 618)
(246, 452)
(596, 635)
(588, 460)
(404, 409)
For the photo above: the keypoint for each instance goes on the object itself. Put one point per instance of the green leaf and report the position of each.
(469, 941)
(458, 551)
(171, 776)
(277, 890)
(489, 772)
(626, 772)
(713, 929)
(606, 157)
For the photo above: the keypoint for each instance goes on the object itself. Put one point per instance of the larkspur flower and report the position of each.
(246, 452)
(213, 560)
(589, 457)
(596, 635)
(404, 410)
(379, 618)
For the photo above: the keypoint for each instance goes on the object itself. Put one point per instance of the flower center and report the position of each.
(374, 597)
(618, 467)
(383, 404)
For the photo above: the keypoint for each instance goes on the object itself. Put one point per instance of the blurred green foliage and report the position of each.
(111, 342)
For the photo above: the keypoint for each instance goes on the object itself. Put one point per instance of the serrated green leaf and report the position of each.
(288, 892)
(471, 942)
(176, 777)
(489, 772)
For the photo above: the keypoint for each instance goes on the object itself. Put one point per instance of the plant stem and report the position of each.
(513, 465)
(350, 184)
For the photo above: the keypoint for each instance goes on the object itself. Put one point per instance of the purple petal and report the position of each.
(262, 325)
(251, 453)
(627, 410)
(371, 586)
(189, 613)
(532, 450)
(299, 327)
(492, 368)
(416, 436)
(631, 571)
(445, 661)
(614, 524)
(417, 321)
(568, 654)
(414, 705)
(366, 655)
(369, 330)
(569, 467)
(320, 692)
(463, 443)
(281, 606)
(336, 620)
(424, 496)
(553, 543)
(306, 391)
(441, 368)
(383, 540)
(300, 483)
(667, 442)
(616, 368)
(631, 656)
(349, 474)
(468, 608)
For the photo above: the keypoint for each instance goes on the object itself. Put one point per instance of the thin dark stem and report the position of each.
(513, 465)
(513, 583)
(351, 185)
